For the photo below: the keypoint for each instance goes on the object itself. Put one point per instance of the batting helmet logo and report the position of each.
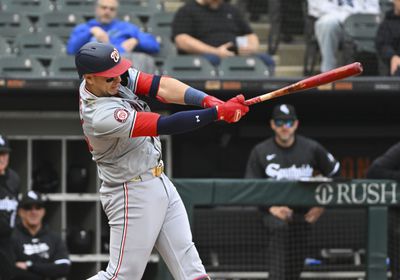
(121, 115)
(115, 55)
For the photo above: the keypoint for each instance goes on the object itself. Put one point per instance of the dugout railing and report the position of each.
(368, 201)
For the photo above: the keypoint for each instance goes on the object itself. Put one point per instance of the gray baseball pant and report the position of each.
(143, 215)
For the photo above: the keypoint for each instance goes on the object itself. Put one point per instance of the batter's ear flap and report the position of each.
(124, 78)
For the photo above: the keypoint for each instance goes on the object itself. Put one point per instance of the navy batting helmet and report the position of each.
(101, 60)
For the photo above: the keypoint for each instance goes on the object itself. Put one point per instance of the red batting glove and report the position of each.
(211, 101)
(232, 110)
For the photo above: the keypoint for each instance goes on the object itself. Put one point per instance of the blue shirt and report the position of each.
(118, 31)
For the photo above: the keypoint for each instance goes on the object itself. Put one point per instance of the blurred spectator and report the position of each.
(9, 189)
(216, 30)
(288, 156)
(330, 15)
(125, 36)
(387, 166)
(388, 40)
(40, 253)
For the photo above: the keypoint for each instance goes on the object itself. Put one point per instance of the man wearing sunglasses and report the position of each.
(289, 156)
(9, 189)
(143, 207)
(40, 253)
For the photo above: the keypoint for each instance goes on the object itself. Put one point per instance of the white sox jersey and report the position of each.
(109, 123)
(304, 158)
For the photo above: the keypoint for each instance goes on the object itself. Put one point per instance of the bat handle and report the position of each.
(252, 101)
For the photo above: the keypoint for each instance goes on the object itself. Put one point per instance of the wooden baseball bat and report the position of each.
(336, 74)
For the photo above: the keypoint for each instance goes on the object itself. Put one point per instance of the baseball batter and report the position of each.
(143, 207)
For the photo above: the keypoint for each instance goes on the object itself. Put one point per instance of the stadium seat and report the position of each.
(239, 68)
(361, 29)
(81, 7)
(21, 67)
(161, 23)
(131, 17)
(63, 67)
(167, 48)
(59, 24)
(385, 5)
(142, 9)
(39, 45)
(31, 8)
(188, 67)
(12, 24)
(5, 48)
(359, 41)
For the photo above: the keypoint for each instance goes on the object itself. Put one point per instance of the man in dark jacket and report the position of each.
(387, 166)
(40, 253)
(9, 188)
(388, 40)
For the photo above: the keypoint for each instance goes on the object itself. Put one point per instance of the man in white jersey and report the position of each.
(142, 205)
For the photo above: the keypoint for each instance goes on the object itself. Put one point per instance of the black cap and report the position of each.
(31, 198)
(4, 145)
(284, 111)
(100, 59)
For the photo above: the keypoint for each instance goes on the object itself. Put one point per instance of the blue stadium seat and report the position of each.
(188, 67)
(242, 68)
(21, 67)
(59, 24)
(39, 45)
(12, 24)
(63, 67)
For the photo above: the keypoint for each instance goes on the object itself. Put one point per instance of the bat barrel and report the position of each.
(333, 75)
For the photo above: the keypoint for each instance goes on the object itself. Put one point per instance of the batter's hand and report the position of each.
(211, 101)
(232, 110)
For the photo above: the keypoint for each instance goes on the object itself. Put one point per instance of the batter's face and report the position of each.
(106, 10)
(284, 130)
(4, 160)
(102, 86)
(32, 215)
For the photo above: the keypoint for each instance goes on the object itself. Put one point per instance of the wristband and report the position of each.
(194, 97)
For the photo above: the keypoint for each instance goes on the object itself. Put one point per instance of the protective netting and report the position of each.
(244, 242)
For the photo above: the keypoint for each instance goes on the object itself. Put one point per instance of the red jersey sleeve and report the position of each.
(147, 84)
(145, 124)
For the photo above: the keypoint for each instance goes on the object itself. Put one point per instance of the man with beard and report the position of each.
(288, 156)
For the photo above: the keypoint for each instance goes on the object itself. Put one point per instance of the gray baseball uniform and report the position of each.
(144, 209)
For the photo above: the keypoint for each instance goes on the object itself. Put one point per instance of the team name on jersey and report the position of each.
(7, 204)
(275, 171)
(41, 249)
